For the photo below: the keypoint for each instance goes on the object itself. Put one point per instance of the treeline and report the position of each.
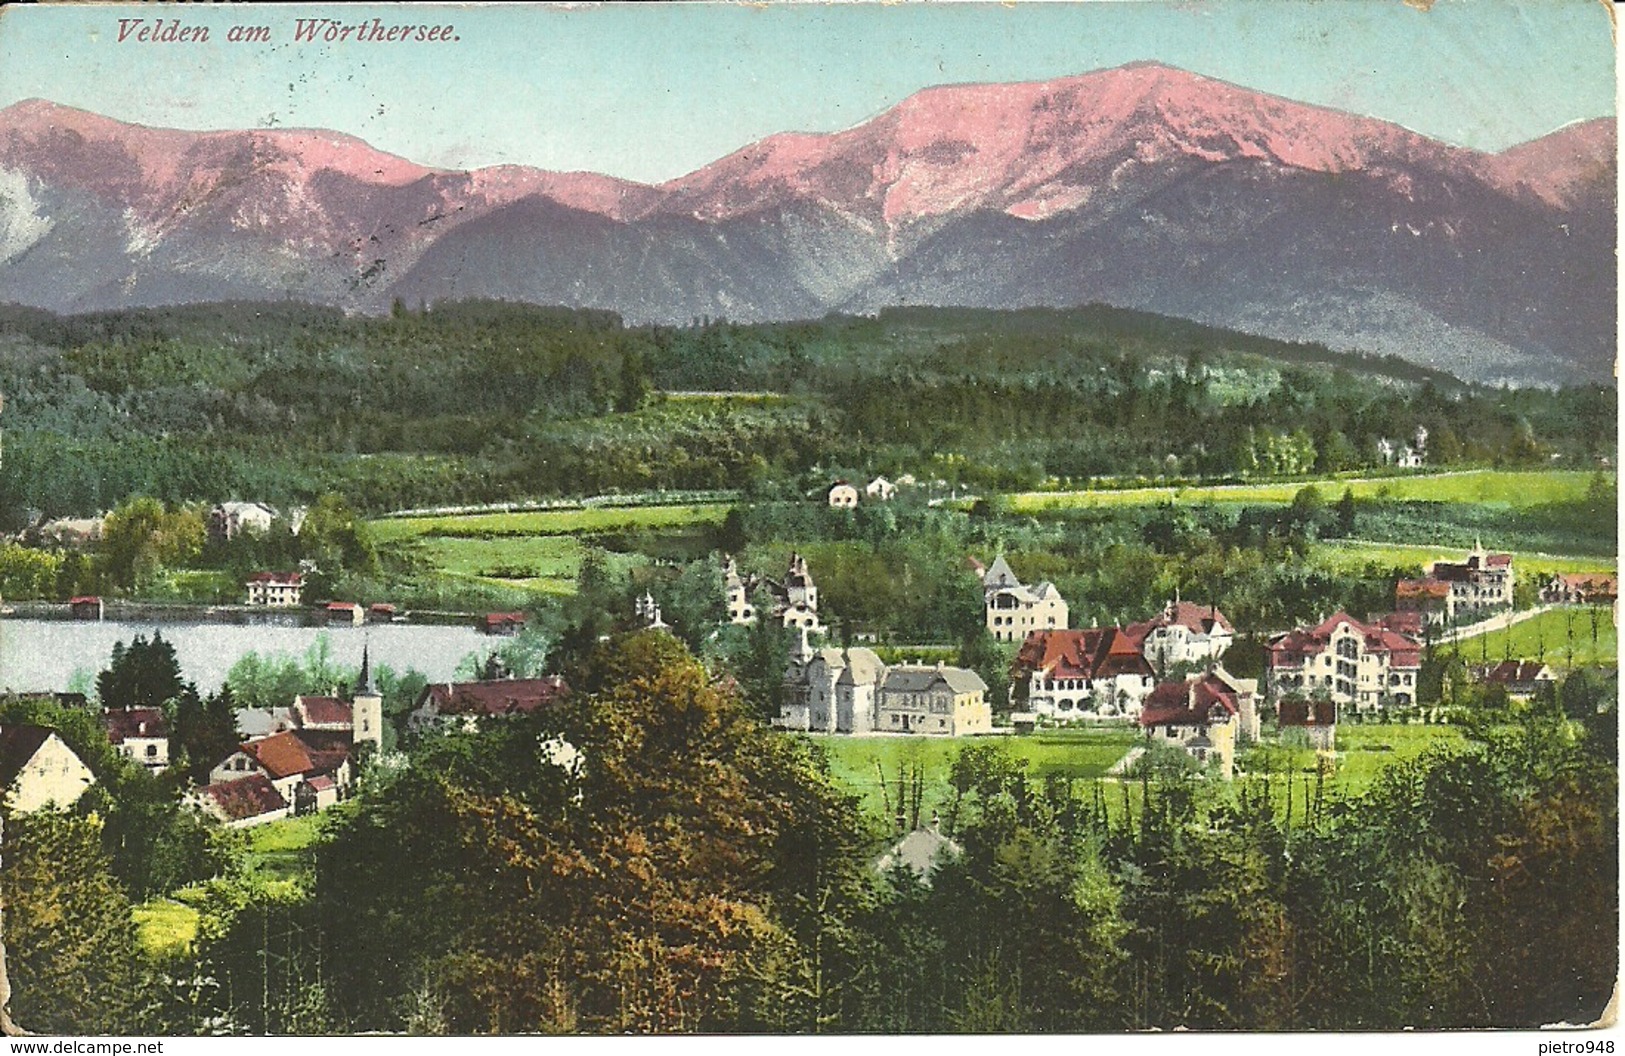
(485, 401)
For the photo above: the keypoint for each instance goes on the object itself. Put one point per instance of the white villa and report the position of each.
(1351, 663)
(1083, 675)
(795, 600)
(851, 691)
(1014, 611)
(1183, 633)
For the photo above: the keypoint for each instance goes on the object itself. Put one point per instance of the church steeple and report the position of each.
(363, 681)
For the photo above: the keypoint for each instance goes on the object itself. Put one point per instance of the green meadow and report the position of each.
(1517, 489)
(1568, 636)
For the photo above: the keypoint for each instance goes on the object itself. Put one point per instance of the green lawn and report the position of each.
(858, 763)
(280, 853)
(1352, 556)
(1517, 489)
(548, 563)
(585, 521)
(1549, 637)
(165, 926)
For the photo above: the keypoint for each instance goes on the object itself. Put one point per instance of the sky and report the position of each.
(651, 91)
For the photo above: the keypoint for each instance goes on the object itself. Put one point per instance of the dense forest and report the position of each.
(484, 401)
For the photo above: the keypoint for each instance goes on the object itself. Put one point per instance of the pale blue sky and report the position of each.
(650, 91)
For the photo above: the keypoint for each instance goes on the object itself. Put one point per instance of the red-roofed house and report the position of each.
(139, 734)
(1205, 715)
(241, 803)
(1580, 588)
(1354, 663)
(86, 607)
(1481, 583)
(1316, 718)
(1068, 675)
(447, 703)
(1183, 633)
(289, 759)
(345, 614)
(507, 623)
(276, 590)
(322, 713)
(1521, 679)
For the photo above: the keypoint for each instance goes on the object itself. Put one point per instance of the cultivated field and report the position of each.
(1515, 489)
(1354, 556)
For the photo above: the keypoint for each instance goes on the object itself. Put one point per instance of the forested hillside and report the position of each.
(484, 401)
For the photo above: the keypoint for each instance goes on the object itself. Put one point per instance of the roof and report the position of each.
(1198, 619)
(507, 696)
(1589, 583)
(497, 619)
(919, 851)
(19, 744)
(1098, 652)
(1189, 703)
(1408, 623)
(1290, 649)
(999, 575)
(342, 606)
(259, 722)
(1422, 588)
(290, 578)
(281, 755)
(321, 783)
(1515, 672)
(323, 711)
(123, 723)
(246, 797)
(863, 667)
(85, 599)
(1297, 711)
(924, 679)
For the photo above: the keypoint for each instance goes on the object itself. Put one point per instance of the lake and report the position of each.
(46, 654)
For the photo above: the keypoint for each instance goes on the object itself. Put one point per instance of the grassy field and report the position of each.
(1547, 637)
(1352, 556)
(165, 926)
(594, 520)
(857, 763)
(1517, 489)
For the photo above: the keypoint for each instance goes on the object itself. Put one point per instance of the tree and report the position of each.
(146, 674)
(74, 962)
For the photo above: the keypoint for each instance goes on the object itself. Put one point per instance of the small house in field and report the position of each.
(880, 488)
(381, 612)
(1580, 588)
(39, 770)
(86, 607)
(1205, 715)
(1521, 679)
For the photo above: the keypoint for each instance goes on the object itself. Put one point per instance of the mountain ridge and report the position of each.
(1145, 185)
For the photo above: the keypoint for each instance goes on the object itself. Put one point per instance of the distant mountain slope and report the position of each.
(1143, 186)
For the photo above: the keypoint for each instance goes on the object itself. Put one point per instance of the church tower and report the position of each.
(367, 710)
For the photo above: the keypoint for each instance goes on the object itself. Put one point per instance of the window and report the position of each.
(152, 751)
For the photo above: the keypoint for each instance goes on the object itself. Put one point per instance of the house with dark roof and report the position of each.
(241, 803)
(1183, 633)
(1580, 588)
(1317, 718)
(852, 691)
(467, 704)
(289, 760)
(1205, 715)
(1365, 666)
(1081, 675)
(140, 735)
(39, 770)
(1521, 679)
(1480, 583)
(1014, 610)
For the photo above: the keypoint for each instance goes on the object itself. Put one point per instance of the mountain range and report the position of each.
(1143, 187)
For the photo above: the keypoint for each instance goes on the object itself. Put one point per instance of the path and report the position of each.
(1495, 623)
